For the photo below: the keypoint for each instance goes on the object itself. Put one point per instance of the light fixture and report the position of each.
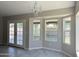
(36, 9)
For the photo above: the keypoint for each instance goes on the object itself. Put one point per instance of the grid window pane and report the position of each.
(67, 29)
(51, 30)
(36, 30)
(67, 25)
(20, 42)
(67, 37)
(20, 33)
(11, 33)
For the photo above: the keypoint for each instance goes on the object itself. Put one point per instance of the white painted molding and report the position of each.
(26, 48)
(51, 49)
(59, 51)
(67, 54)
(35, 48)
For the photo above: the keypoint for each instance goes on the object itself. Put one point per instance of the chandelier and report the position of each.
(36, 9)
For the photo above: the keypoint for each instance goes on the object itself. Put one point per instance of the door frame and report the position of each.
(15, 32)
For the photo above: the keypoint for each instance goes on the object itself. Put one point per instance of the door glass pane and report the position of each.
(20, 33)
(11, 33)
(36, 30)
(51, 30)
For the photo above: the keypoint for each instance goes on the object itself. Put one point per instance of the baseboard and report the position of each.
(52, 49)
(67, 54)
(35, 48)
(26, 48)
(58, 51)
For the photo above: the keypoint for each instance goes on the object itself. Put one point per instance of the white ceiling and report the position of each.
(23, 7)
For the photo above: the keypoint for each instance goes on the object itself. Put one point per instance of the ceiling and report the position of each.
(8, 8)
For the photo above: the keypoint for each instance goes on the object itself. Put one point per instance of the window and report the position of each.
(51, 30)
(67, 29)
(11, 33)
(36, 30)
(20, 33)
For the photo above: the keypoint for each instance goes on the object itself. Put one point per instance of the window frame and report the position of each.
(11, 41)
(32, 29)
(55, 31)
(64, 31)
(18, 40)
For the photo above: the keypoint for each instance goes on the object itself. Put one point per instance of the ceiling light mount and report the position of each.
(36, 9)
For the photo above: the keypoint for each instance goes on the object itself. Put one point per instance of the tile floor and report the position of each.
(18, 52)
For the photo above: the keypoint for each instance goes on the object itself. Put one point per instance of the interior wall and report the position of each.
(77, 23)
(54, 45)
(70, 49)
(34, 44)
(1, 31)
(17, 17)
(65, 48)
(77, 33)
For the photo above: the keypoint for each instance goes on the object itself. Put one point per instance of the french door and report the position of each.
(16, 33)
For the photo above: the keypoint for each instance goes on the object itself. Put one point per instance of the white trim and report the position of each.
(35, 48)
(26, 48)
(59, 51)
(52, 49)
(54, 16)
(67, 54)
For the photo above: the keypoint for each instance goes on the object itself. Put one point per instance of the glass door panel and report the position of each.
(11, 33)
(19, 33)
